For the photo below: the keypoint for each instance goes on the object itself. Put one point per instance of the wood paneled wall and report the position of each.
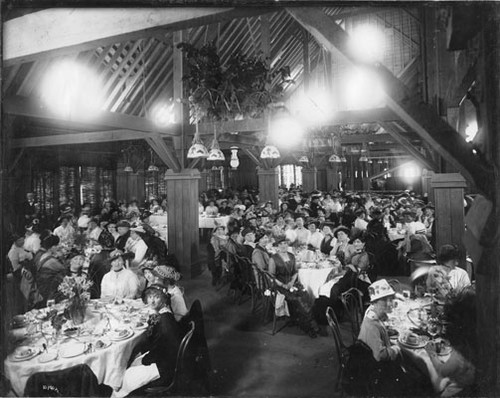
(268, 185)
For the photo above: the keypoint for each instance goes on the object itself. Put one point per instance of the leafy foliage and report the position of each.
(241, 88)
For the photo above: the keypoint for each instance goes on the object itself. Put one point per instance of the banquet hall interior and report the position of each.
(272, 199)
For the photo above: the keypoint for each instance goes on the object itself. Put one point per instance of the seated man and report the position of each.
(119, 282)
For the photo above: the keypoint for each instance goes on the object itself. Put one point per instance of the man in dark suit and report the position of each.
(30, 207)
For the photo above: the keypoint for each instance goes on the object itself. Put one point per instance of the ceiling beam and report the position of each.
(20, 106)
(58, 31)
(394, 132)
(164, 152)
(79, 138)
(343, 117)
(420, 117)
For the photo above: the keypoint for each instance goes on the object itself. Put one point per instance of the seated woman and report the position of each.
(329, 240)
(50, 271)
(169, 278)
(342, 249)
(448, 256)
(119, 282)
(260, 255)
(392, 378)
(283, 267)
(359, 275)
(458, 372)
(157, 363)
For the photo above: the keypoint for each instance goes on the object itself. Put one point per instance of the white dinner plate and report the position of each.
(24, 353)
(47, 356)
(72, 350)
(120, 334)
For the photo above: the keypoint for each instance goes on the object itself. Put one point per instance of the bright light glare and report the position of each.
(163, 113)
(409, 172)
(315, 107)
(70, 89)
(471, 130)
(367, 43)
(285, 131)
(362, 89)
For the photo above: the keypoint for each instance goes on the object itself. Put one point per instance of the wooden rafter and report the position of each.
(72, 30)
(420, 117)
(79, 138)
(395, 133)
(23, 107)
(164, 152)
(254, 157)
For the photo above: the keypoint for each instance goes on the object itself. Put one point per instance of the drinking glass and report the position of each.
(50, 303)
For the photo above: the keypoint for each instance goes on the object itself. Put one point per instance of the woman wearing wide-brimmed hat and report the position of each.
(169, 278)
(155, 364)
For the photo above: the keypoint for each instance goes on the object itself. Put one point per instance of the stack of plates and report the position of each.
(414, 342)
(120, 334)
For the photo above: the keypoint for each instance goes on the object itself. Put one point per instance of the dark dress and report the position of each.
(298, 301)
(164, 337)
(325, 246)
(121, 241)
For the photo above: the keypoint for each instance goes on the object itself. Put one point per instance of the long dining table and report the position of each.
(104, 342)
(411, 317)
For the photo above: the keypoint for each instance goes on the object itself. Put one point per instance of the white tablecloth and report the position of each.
(209, 222)
(108, 364)
(312, 279)
(158, 219)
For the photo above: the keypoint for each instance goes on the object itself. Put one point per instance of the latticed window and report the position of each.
(44, 186)
(290, 174)
(155, 185)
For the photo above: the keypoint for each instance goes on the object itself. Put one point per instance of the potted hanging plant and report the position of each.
(241, 88)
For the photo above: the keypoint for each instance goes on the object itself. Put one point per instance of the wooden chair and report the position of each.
(341, 351)
(178, 383)
(352, 301)
(247, 279)
(263, 292)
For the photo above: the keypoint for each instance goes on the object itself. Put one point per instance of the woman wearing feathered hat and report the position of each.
(169, 278)
(156, 365)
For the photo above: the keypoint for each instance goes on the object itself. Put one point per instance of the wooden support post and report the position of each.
(203, 185)
(182, 114)
(309, 182)
(449, 203)
(268, 185)
(183, 222)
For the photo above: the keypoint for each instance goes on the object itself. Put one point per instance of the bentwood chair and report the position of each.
(180, 382)
(341, 351)
(352, 301)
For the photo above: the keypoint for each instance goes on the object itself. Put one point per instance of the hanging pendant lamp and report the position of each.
(197, 149)
(215, 153)
(269, 151)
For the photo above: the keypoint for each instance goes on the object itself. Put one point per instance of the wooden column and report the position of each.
(183, 222)
(309, 182)
(427, 191)
(203, 186)
(268, 185)
(449, 202)
(332, 177)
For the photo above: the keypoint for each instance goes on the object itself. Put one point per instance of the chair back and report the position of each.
(342, 354)
(352, 301)
(76, 381)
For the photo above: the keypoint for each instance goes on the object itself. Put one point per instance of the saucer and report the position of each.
(120, 334)
(23, 353)
(420, 343)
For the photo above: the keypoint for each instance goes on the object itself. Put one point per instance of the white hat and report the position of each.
(380, 289)
(139, 229)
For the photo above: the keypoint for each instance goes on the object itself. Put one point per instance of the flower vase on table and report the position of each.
(76, 289)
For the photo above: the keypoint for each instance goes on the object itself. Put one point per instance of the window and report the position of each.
(290, 174)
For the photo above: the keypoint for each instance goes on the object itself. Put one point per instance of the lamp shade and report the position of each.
(303, 159)
(215, 154)
(128, 169)
(197, 150)
(335, 159)
(152, 167)
(363, 158)
(270, 152)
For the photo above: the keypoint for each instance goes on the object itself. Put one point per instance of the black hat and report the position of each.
(312, 221)
(156, 287)
(341, 228)
(50, 241)
(357, 233)
(279, 239)
(123, 223)
(328, 224)
(447, 253)
(246, 231)
(145, 215)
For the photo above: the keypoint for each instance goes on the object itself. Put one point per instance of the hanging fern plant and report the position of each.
(242, 88)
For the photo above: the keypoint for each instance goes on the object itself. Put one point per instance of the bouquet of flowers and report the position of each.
(76, 289)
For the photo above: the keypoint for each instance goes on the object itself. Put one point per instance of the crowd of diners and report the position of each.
(115, 247)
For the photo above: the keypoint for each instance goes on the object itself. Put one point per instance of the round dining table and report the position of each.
(94, 343)
(312, 278)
